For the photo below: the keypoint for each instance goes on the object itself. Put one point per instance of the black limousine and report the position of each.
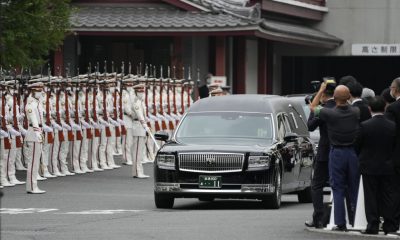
(237, 147)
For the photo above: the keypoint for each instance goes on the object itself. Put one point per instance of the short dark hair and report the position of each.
(377, 104)
(355, 89)
(397, 82)
(346, 80)
(386, 96)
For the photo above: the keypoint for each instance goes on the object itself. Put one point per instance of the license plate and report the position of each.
(210, 181)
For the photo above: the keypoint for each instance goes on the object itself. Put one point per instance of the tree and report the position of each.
(30, 29)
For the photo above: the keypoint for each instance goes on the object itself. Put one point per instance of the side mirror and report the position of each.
(291, 137)
(161, 136)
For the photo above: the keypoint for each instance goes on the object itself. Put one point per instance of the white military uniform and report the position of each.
(84, 154)
(94, 143)
(111, 141)
(4, 152)
(64, 146)
(103, 139)
(47, 146)
(127, 140)
(139, 137)
(10, 154)
(55, 147)
(33, 143)
(75, 148)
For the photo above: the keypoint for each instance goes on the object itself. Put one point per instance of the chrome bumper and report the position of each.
(162, 187)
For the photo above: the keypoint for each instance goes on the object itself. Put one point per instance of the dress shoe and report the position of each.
(339, 228)
(311, 223)
(115, 166)
(105, 167)
(141, 176)
(68, 173)
(78, 171)
(40, 178)
(370, 232)
(96, 169)
(87, 170)
(21, 168)
(128, 163)
(48, 175)
(6, 183)
(16, 182)
(58, 174)
(36, 191)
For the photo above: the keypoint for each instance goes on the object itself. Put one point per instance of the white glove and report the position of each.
(65, 126)
(39, 136)
(95, 124)
(3, 133)
(13, 132)
(103, 122)
(121, 122)
(75, 127)
(23, 131)
(56, 125)
(85, 124)
(47, 128)
(113, 122)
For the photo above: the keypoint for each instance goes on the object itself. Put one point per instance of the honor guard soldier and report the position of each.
(34, 137)
(127, 140)
(5, 138)
(140, 129)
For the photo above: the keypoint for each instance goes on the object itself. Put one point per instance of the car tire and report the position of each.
(206, 199)
(274, 201)
(304, 196)
(163, 201)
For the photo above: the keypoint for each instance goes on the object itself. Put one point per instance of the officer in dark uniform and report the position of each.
(321, 171)
(342, 123)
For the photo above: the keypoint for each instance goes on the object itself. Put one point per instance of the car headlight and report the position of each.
(166, 161)
(259, 162)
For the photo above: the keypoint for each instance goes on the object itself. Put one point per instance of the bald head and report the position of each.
(341, 94)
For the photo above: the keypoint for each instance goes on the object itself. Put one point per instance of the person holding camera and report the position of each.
(321, 162)
(342, 124)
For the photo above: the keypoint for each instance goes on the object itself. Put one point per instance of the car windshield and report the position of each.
(213, 125)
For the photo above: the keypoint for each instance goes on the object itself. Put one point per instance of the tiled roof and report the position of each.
(152, 18)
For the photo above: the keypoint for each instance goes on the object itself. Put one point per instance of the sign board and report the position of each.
(369, 49)
(220, 80)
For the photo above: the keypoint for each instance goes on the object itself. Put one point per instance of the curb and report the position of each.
(353, 233)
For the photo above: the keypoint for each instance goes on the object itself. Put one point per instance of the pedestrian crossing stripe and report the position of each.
(14, 211)
(102, 212)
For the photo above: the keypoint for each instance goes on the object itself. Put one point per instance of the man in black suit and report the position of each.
(356, 91)
(375, 144)
(393, 113)
(321, 163)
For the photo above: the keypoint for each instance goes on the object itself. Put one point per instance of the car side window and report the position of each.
(287, 124)
(282, 126)
(293, 121)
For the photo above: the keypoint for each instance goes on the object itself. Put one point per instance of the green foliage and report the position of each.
(29, 29)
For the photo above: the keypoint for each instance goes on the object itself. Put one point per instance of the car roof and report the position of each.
(240, 102)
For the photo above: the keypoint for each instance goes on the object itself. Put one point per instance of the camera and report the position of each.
(330, 84)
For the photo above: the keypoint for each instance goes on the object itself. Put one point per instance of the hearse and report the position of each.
(236, 147)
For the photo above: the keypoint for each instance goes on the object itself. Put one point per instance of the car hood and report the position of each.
(218, 145)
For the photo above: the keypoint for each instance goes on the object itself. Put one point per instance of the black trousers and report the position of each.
(396, 183)
(319, 180)
(379, 194)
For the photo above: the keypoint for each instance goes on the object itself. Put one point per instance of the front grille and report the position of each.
(211, 162)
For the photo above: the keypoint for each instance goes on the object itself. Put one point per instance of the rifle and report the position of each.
(76, 116)
(105, 114)
(7, 142)
(115, 112)
(97, 132)
(171, 125)
(50, 137)
(163, 123)
(18, 139)
(67, 114)
(157, 124)
(89, 134)
(121, 113)
(61, 137)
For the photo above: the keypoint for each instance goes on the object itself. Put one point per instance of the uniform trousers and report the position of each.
(319, 180)
(344, 178)
(397, 197)
(95, 152)
(46, 154)
(127, 146)
(54, 151)
(102, 150)
(84, 154)
(111, 148)
(76, 146)
(32, 153)
(3, 164)
(379, 201)
(63, 154)
(139, 151)
(19, 160)
(11, 161)
(118, 144)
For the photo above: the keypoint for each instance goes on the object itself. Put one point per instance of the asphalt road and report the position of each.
(113, 205)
